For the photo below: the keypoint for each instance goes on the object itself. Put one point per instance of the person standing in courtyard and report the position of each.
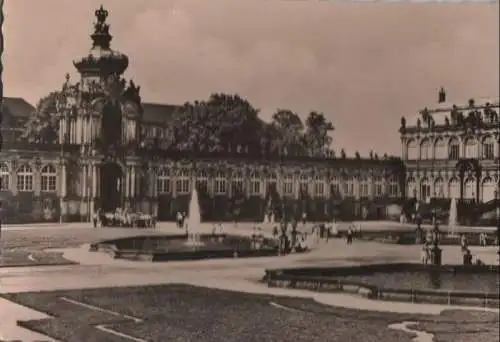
(178, 218)
(304, 218)
(463, 243)
(349, 235)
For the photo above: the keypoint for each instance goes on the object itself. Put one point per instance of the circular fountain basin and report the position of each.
(417, 283)
(178, 247)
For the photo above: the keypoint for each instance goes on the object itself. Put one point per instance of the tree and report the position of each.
(289, 129)
(317, 137)
(43, 125)
(226, 123)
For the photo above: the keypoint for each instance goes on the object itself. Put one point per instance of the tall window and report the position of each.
(471, 148)
(25, 178)
(4, 177)
(412, 152)
(288, 185)
(425, 149)
(411, 188)
(164, 182)
(349, 187)
(454, 149)
(425, 189)
(379, 186)
(237, 182)
(489, 148)
(202, 180)
(439, 188)
(488, 189)
(319, 186)
(183, 183)
(393, 187)
(469, 189)
(440, 149)
(363, 187)
(220, 183)
(255, 183)
(272, 180)
(335, 185)
(304, 183)
(454, 188)
(49, 178)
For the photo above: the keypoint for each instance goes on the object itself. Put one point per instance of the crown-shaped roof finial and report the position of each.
(101, 14)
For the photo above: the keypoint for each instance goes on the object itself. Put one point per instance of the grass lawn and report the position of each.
(189, 313)
(36, 258)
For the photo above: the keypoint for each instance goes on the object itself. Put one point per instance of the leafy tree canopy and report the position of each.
(223, 123)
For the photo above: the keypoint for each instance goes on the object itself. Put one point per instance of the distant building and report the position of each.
(452, 151)
(100, 162)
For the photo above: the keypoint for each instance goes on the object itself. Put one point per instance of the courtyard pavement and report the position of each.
(99, 270)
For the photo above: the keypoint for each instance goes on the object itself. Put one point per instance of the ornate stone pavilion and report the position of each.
(100, 162)
(452, 151)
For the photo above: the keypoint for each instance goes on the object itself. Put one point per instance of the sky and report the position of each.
(362, 65)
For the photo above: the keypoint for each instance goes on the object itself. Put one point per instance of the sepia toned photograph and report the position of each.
(261, 171)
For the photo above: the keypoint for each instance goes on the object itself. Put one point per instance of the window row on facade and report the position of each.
(26, 178)
(287, 186)
(439, 188)
(452, 149)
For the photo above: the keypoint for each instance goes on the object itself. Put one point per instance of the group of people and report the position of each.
(123, 217)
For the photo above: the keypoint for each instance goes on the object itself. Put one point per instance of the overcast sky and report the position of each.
(363, 65)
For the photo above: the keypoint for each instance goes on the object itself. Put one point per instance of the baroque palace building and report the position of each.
(452, 151)
(100, 162)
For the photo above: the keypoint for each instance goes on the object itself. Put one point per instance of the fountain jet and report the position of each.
(452, 218)
(194, 220)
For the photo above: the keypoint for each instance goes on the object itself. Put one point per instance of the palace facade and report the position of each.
(100, 161)
(452, 151)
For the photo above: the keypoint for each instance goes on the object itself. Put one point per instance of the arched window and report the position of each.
(488, 189)
(4, 177)
(471, 148)
(425, 189)
(202, 180)
(237, 182)
(363, 187)
(48, 179)
(439, 188)
(440, 149)
(411, 188)
(288, 185)
(272, 179)
(454, 188)
(25, 178)
(454, 149)
(335, 182)
(319, 186)
(425, 149)
(183, 184)
(469, 189)
(412, 152)
(393, 187)
(164, 182)
(255, 181)
(488, 148)
(304, 182)
(220, 183)
(349, 187)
